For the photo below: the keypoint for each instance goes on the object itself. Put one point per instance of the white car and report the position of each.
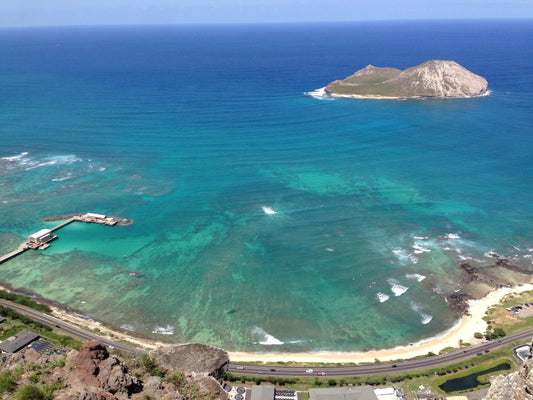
(309, 371)
(240, 367)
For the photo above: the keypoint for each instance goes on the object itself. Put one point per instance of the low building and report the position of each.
(343, 393)
(387, 393)
(95, 216)
(41, 237)
(19, 341)
(262, 392)
(523, 352)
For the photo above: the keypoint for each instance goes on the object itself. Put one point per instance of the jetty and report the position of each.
(41, 239)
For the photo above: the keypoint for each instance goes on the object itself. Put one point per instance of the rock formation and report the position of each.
(177, 372)
(434, 78)
(515, 386)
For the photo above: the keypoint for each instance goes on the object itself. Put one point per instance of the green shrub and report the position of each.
(177, 379)
(8, 381)
(478, 335)
(332, 382)
(36, 392)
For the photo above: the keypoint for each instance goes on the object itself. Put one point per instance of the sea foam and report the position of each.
(319, 94)
(266, 338)
(164, 330)
(268, 210)
(382, 297)
(396, 288)
(418, 277)
(424, 318)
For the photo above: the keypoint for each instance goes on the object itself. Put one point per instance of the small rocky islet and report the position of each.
(433, 78)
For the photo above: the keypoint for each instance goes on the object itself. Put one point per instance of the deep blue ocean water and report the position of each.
(265, 219)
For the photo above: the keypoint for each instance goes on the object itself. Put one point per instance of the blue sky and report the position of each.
(96, 12)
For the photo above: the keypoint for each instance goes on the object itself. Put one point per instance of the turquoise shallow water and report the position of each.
(265, 219)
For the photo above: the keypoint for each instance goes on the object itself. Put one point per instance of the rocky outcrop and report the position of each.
(515, 386)
(95, 367)
(204, 365)
(193, 358)
(179, 373)
(434, 78)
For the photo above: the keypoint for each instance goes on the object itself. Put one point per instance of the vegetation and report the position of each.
(483, 381)
(36, 392)
(149, 365)
(9, 313)
(498, 317)
(24, 301)
(8, 380)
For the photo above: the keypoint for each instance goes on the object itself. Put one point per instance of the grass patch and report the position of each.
(498, 317)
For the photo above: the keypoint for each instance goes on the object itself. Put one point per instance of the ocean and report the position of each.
(265, 218)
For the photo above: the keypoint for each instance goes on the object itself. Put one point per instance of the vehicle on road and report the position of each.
(272, 369)
(394, 366)
(240, 367)
(321, 373)
(487, 350)
(309, 371)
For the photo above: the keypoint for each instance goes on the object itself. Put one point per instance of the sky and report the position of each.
(113, 12)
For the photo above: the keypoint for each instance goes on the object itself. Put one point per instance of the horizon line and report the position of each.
(242, 23)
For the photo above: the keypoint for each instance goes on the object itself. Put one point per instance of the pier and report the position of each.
(41, 239)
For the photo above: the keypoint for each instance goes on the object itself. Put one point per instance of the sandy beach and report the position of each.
(464, 330)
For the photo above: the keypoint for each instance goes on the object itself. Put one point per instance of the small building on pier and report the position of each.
(41, 237)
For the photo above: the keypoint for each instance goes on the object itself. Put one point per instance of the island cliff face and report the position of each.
(434, 78)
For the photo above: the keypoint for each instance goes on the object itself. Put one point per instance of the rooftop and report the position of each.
(352, 393)
(18, 341)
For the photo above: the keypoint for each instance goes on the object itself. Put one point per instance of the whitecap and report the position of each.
(61, 179)
(382, 297)
(396, 288)
(266, 338)
(403, 256)
(452, 236)
(164, 330)
(420, 249)
(14, 158)
(420, 237)
(319, 94)
(329, 249)
(424, 318)
(418, 277)
(268, 210)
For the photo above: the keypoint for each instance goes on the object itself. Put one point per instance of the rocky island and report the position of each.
(434, 78)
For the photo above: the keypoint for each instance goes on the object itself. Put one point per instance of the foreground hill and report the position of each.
(434, 78)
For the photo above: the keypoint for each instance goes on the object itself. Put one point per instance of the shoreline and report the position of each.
(463, 330)
(322, 92)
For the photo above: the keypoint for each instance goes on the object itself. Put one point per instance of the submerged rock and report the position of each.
(434, 78)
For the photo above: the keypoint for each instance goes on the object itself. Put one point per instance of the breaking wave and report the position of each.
(164, 330)
(266, 338)
(396, 288)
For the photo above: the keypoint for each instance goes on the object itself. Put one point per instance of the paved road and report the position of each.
(359, 370)
(385, 368)
(69, 328)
